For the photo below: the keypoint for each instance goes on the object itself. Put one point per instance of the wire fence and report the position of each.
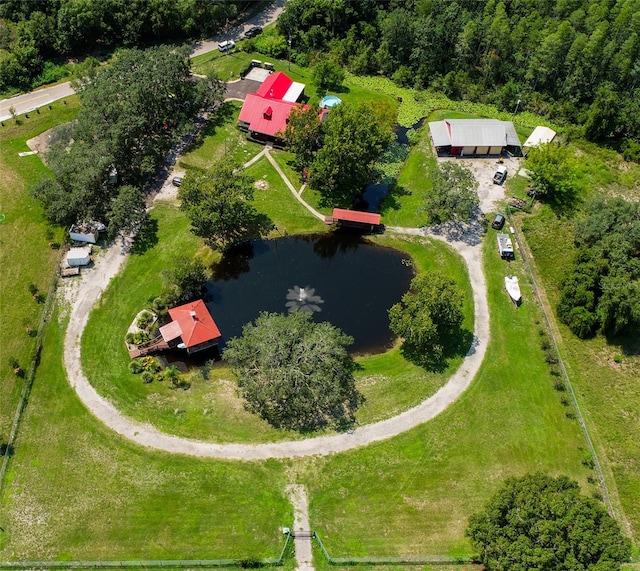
(413, 560)
(567, 381)
(28, 381)
(246, 563)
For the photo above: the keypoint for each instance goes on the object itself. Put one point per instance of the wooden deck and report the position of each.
(154, 346)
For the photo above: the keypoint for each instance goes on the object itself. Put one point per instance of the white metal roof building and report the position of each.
(539, 136)
(474, 137)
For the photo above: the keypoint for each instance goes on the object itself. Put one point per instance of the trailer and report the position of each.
(505, 247)
(86, 231)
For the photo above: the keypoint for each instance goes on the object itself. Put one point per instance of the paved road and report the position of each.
(30, 101)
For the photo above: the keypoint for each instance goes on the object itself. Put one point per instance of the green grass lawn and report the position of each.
(76, 490)
(402, 205)
(413, 494)
(210, 409)
(25, 255)
(218, 138)
(276, 201)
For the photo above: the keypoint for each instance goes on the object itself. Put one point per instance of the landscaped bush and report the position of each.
(135, 367)
(150, 364)
(140, 337)
(145, 320)
(147, 377)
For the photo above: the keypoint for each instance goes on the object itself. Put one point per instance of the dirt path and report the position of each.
(464, 238)
(94, 282)
(301, 541)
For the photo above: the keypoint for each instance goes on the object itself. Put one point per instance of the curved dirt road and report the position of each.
(94, 282)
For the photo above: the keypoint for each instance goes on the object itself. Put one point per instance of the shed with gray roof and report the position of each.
(474, 137)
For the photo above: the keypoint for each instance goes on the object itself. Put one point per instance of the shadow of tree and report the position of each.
(217, 120)
(6, 450)
(628, 341)
(147, 236)
(392, 200)
(458, 344)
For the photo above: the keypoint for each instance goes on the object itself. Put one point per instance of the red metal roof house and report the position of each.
(192, 328)
(264, 113)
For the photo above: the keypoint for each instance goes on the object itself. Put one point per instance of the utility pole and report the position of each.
(289, 57)
(516, 109)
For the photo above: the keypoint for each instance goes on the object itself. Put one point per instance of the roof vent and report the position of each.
(192, 314)
(268, 112)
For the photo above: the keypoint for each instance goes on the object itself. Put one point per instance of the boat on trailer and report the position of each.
(512, 286)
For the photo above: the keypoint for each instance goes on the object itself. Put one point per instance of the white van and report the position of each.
(226, 45)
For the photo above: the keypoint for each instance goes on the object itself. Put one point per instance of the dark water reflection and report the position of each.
(357, 281)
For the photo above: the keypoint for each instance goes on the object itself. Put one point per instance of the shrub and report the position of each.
(150, 364)
(141, 337)
(135, 367)
(145, 320)
(147, 377)
(558, 384)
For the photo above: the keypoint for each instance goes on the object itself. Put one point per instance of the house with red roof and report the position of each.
(265, 113)
(191, 328)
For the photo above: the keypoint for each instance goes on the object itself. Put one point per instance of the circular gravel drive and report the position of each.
(95, 281)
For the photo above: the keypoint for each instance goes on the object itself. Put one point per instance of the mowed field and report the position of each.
(25, 255)
(75, 490)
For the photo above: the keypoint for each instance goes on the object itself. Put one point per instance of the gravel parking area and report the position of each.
(483, 169)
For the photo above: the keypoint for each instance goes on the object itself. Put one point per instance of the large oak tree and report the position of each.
(219, 204)
(428, 317)
(295, 373)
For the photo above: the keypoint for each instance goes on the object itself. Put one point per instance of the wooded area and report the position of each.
(577, 61)
(34, 35)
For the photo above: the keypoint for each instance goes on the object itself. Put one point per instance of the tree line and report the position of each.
(35, 34)
(574, 60)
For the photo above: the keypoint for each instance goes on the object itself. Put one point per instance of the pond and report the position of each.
(354, 283)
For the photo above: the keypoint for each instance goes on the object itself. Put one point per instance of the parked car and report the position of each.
(226, 45)
(501, 175)
(498, 222)
(176, 180)
(253, 32)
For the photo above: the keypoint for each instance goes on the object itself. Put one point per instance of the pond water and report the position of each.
(354, 282)
(375, 192)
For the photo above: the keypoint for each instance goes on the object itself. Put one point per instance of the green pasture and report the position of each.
(25, 255)
(77, 491)
(604, 372)
(413, 494)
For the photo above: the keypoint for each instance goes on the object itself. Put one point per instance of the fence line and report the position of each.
(31, 372)
(574, 401)
(246, 563)
(417, 560)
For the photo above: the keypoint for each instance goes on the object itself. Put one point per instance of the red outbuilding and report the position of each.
(192, 328)
(354, 218)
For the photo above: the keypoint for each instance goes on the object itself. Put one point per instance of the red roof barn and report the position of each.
(192, 327)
